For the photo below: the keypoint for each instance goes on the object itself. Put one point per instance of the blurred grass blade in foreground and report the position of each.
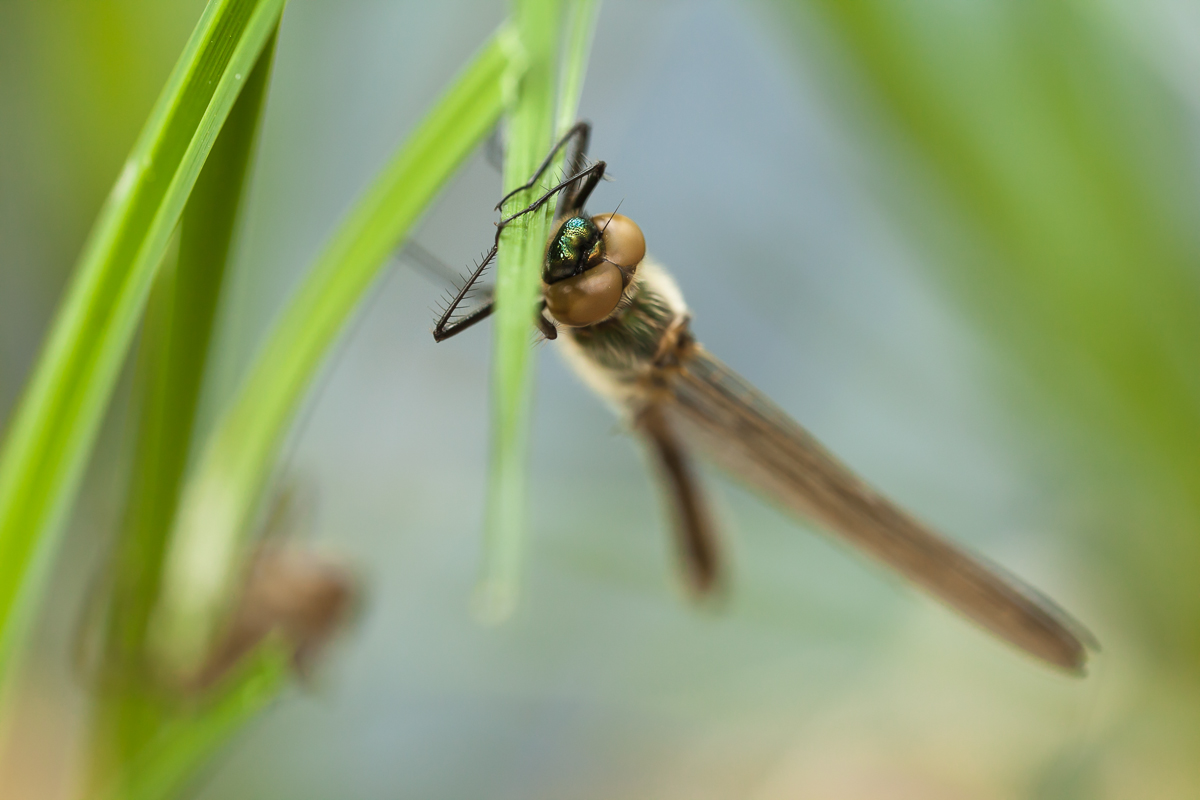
(51, 434)
(222, 495)
(290, 605)
(170, 759)
(171, 372)
(532, 130)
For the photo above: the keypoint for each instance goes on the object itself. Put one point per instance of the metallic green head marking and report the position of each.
(574, 248)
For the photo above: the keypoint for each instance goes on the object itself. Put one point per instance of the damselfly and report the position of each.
(623, 325)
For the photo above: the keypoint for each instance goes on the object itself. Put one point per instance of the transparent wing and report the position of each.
(746, 434)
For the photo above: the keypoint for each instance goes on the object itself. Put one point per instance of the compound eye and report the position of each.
(587, 298)
(624, 243)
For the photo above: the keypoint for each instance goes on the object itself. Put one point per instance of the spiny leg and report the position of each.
(575, 196)
(580, 131)
(444, 329)
(590, 177)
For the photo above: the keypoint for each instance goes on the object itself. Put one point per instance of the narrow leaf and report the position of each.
(51, 435)
(220, 500)
(531, 134)
(173, 757)
(174, 348)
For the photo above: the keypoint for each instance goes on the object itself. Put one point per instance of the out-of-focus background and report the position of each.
(958, 242)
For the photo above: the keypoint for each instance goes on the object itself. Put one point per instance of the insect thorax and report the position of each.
(626, 344)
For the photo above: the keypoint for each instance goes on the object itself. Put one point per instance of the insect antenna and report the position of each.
(610, 217)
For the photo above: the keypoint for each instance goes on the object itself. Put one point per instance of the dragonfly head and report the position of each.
(589, 262)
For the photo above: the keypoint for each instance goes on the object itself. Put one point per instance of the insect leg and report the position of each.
(544, 325)
(590, 176)
(444, 328)
(574, 196)
(695, 536)
(581, 132)
(580, 185)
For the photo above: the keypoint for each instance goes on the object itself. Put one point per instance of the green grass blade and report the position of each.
(52, 432)
(220, 500)
(166, 765)
(531, 134)
(580, 29)
(174, 351)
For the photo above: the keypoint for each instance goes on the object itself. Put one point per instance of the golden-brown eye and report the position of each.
(587, 298)
(624, 243)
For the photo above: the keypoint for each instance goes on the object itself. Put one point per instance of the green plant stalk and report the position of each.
(175, 344)
(581, 28)
(531, 134)
(220, 500)
(52, 433)
(163, 768)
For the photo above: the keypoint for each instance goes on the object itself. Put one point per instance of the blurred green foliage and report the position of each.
(1061, 201)
(49, 438)
(172, 364)
(1045, 163)
(1033, 150)
(80, 79)
(176, 595)
(239, 458)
